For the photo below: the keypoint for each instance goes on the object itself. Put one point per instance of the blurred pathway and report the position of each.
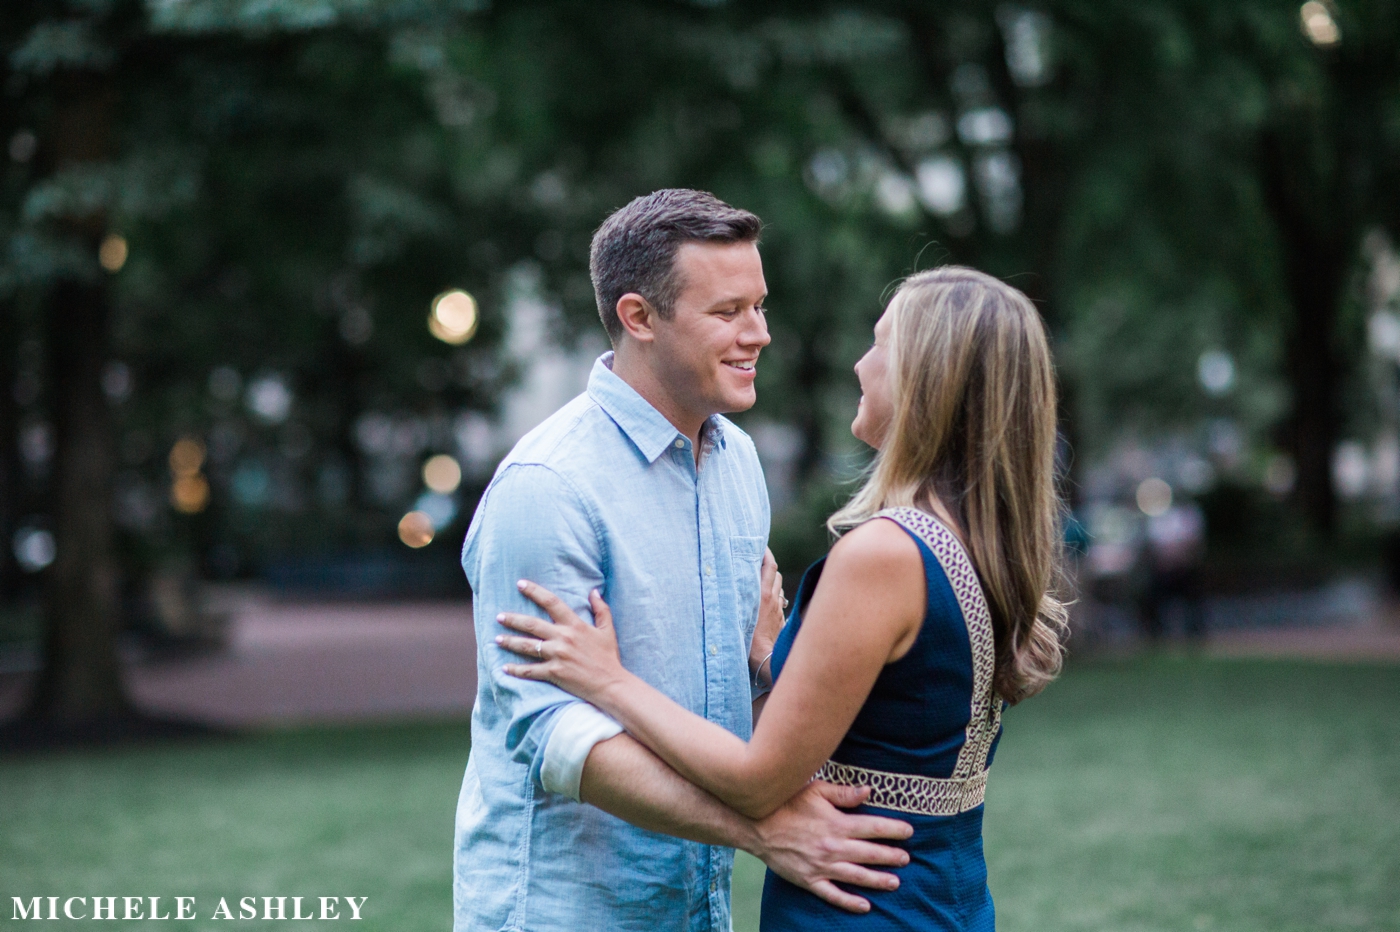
(291, 663)
(1351, 620)
(1376, 641)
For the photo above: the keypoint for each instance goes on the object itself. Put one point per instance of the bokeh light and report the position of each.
(34, 548)
(186, 457)
(1216, 372)
(1351, 469)
(942, 185)
(453, 317)
(113, 252)
(269, 398)
(1154, 497)
(416, 529)
(116, 381)
(23, 145)
(1318, 24)
(190, 494)
(442, 474)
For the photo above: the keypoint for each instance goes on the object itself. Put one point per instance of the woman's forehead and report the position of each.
(886, 321)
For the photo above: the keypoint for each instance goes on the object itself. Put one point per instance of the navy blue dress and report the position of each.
(923, 740)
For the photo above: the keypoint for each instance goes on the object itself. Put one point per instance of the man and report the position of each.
(638, 488)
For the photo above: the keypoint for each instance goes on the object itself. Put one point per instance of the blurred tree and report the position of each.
(81, 679)
(1178, 184)
(226, 219)
(1328, 157)
(194, 184)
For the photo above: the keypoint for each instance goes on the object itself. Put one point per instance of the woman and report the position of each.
(905, 641)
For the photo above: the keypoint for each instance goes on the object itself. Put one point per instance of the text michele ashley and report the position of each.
(121, 908)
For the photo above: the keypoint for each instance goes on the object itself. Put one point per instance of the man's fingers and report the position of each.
(842, 797)
(840, 898)
(862, 826)
(870, 826)
(867, 852)
(859, 876)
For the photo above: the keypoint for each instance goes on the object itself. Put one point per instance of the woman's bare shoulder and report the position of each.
(878, 546)
(877, 574)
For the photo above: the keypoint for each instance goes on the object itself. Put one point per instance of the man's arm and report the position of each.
(808, 841)
(533, 523)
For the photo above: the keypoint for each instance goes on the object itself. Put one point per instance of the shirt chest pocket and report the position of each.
(746, 553)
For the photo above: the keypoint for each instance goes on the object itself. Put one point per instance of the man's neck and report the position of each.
(636, 373)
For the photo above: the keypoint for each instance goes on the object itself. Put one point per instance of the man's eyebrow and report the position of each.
(737, 299)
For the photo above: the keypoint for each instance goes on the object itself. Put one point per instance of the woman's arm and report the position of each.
(865, 613)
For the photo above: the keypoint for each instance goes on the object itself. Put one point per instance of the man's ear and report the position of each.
(637, 316)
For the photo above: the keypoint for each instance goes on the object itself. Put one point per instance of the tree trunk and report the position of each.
(1316, 245)
(81, 682)
(1313, 374)
(10, 477)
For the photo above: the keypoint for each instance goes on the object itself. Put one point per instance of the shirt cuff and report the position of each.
(579, 726)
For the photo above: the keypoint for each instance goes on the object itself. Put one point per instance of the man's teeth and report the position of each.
(746, 366)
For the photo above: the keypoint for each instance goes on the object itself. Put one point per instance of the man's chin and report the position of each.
(739, 401)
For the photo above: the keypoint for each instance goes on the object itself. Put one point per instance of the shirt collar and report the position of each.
(645, 426)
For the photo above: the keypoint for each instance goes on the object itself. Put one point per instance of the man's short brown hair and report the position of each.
(634, 251)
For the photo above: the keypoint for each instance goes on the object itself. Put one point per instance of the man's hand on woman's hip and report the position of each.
(811, 842)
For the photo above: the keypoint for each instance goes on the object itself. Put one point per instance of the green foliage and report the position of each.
(296, 180)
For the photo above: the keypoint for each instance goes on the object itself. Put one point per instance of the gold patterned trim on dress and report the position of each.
(904, 792)
(985, 719)
(967, 786)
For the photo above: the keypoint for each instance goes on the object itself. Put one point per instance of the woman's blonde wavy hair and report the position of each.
(973, 388)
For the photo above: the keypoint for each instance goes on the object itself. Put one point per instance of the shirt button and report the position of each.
(680, 444)
(709, 570)
(714, 650)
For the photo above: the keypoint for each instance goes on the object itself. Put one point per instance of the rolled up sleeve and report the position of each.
(577, 728)
(532, 524)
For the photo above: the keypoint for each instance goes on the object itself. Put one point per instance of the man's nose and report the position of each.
(756, 334)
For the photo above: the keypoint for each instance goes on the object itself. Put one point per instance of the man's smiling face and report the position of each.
(709, 348)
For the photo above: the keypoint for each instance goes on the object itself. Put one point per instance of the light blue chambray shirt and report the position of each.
(604, 493)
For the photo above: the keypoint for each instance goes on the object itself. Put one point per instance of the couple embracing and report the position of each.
(666, 712)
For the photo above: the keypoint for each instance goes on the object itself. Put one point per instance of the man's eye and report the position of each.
(760, 308)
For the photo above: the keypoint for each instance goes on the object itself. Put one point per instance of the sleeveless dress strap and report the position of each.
(965, 789)
(986, 711)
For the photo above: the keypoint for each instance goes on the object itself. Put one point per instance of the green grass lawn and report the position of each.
(1158, 794)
